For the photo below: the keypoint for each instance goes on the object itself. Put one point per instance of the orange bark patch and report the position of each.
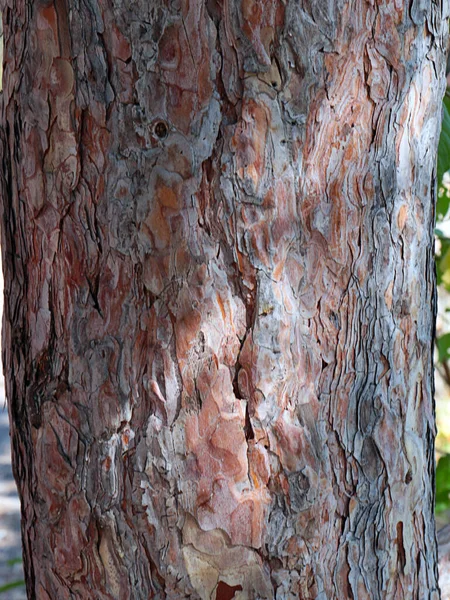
(120, 47)
(388, 295)
(169, 49)
(249, 142)
(183, 260)
(402, 216)
(259, 465)
(259, 23)
(158, 228)
(47, 18)
(207, 419)
(242, 523)
(167, 197)
(180, 107)
(229, 443)
(153, 275)
(61, 78)
(221, 306)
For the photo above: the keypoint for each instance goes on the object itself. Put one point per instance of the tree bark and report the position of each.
(217, 228)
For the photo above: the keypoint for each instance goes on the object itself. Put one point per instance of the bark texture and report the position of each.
(218, 252)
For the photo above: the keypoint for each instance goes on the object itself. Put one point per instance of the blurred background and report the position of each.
(11, 574)
(442, 350)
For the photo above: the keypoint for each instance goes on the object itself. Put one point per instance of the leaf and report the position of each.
(443, 484)
(444, 142)
(443, 262)
(11, 585)
(443, 203)
(444, 269)
(443, 344)
(14, 561)
(443, 163)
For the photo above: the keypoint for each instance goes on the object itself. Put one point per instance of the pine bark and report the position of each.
(217, 236)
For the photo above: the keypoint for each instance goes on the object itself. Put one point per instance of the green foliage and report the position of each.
(444, 140)
(443, 344)
(11, 585)
(443, 260)
(443, 484)
(14, 561)
(442, 209)
(443, 165)
(443, 280)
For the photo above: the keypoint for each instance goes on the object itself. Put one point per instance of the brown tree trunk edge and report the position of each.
(217, 227)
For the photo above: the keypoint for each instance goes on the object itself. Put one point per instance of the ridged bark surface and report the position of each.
(217, 235)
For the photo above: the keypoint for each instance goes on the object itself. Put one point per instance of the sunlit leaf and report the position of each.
(443, 201)
(443, 484)
(11, 586)
(443, 263)
(444, 141)
(442, 204)
(443, 344)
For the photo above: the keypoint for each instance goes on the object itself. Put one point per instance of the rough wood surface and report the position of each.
(217, 227)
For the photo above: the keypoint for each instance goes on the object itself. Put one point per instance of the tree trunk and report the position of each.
(219, 295)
